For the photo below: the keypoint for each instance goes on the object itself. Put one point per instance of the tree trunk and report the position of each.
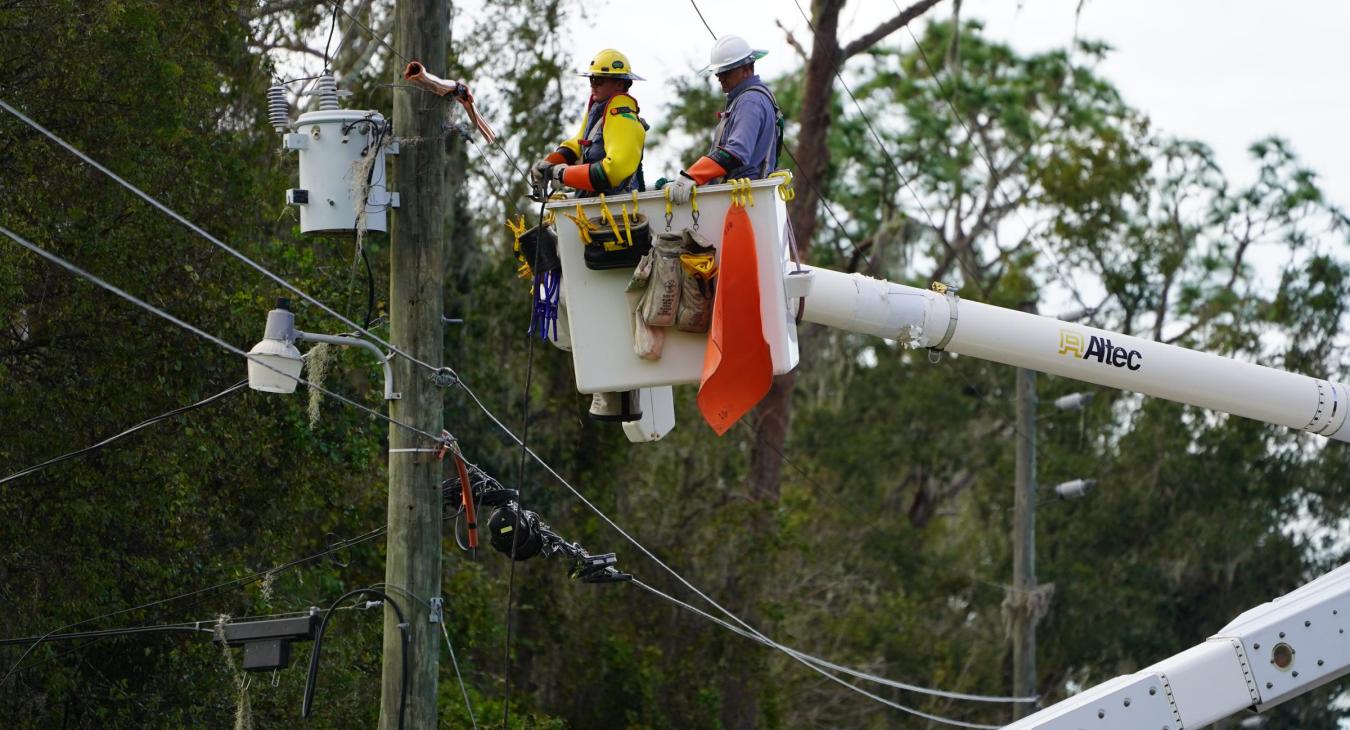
(740, 702)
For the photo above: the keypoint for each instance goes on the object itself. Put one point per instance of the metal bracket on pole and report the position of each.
(389, 392)
(437, 610)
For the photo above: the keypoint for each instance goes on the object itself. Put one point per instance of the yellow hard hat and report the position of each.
(611, 64)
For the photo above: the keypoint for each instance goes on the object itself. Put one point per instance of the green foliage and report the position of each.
(889, 548)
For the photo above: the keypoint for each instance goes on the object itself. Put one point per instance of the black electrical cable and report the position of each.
(194, 626)
(370, 274)
(311, 678)
(332, 26)
(377, 132)
(209, 589)
(705, 20)
(370, 289)
(127, 432)
(520, 484)
(997, 188)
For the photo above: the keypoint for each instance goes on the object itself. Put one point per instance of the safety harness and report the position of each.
(595, 135)
(728, 161)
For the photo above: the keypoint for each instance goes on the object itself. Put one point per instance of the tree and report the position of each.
(883, 544)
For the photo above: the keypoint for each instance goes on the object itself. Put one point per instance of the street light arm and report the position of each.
(389, 392)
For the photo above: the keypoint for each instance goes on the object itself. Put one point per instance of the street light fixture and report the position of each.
(1075, 488)
(1073, 401)
(275, 363)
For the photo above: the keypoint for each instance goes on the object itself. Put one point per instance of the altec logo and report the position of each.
(1099, 349)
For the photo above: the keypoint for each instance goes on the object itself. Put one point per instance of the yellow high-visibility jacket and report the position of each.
(606, 152)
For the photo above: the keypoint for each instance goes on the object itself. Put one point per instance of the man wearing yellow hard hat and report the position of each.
(749, 130)
(606, 155)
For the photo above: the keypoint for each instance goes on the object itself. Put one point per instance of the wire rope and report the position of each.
(123, 434)
(750, 630)
(202, 333)
(956, 114)
(202, 232)
(370, 32)
(885, 152)
(191, 594)
(462, 689)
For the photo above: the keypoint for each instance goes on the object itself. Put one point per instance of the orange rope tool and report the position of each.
(466, 498)
(416, 74)
(451, 446)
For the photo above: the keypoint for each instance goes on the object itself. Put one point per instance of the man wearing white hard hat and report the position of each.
(749, 129)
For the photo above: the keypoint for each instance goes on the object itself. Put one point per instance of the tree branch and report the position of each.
(792, 41)
(881, 31)
(287, 45)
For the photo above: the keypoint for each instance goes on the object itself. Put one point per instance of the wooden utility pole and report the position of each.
(416, 302)
(1024, 546)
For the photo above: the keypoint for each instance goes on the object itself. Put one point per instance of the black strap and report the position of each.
(780, 120)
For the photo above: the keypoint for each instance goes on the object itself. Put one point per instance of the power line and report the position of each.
(824, 665)
(369, 32)
(311, 678)
(894, 165)
(809, 664)
(163, 628)
(332, 26)
(202, 232)
(520, 486)
(455, 662)
(956, 114)
(705, 20)
(123, 434)
(632, 540)
(191, 594)
(750, 632)
(200, 332)
(838, 667)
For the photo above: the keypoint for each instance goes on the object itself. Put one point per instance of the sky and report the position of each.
(1224, 72)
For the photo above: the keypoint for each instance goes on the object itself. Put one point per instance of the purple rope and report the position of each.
(545, 317)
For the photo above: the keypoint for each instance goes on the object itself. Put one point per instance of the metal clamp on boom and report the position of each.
(950, 292)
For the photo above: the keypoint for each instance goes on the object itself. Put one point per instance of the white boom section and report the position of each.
(923, 318)
(1269, 654)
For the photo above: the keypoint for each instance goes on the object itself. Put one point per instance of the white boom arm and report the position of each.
(1269, 654)
(923, 318)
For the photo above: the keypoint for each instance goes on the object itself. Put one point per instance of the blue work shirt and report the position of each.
(748, 130)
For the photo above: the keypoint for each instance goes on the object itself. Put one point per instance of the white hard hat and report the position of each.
(729, 52)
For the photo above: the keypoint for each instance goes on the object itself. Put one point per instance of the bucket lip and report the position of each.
(337, 115)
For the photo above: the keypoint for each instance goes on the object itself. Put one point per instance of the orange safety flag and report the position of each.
(737, 366)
